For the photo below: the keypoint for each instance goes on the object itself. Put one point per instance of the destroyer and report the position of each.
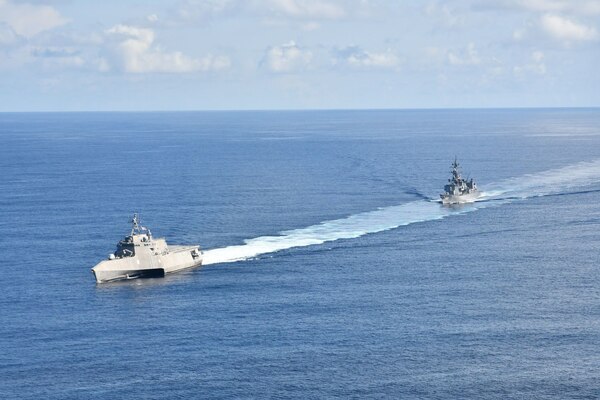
(141, 255)
(459, 190)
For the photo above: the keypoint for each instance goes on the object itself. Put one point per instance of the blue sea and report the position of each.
(331, 271)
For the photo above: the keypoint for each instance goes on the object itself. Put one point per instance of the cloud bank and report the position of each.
(137, 53)
(29, 19)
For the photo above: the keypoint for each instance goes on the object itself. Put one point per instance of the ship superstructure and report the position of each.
(141, 255)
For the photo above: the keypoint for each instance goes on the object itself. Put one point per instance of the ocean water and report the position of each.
(331, 271)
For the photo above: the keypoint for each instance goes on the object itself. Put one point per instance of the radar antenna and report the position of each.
(137, 228)
(135, 224)
(455, 163)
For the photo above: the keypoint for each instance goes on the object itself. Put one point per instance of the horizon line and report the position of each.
(301, 109)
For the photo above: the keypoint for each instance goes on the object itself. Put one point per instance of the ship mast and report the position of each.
(135, 227)
(455, 171)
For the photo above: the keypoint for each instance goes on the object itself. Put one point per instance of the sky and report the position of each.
(129, 55)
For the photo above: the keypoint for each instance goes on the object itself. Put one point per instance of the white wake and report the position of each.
(532, 185)
(561, 180)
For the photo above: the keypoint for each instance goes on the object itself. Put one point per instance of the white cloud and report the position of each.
(536, 65)
(29, 19)
(565, 29)
(357, 57)
(469, 56)
(288, 57)
(137, 53)
(317, 9)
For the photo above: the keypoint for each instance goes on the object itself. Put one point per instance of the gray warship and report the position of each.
(459, 190)
(140, 255)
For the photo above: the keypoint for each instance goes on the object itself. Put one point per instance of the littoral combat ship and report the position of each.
(459, 190)
(139, 255)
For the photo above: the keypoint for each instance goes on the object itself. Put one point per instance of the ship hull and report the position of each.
(460, 199)
(179, 258)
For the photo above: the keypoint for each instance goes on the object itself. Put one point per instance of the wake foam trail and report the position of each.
(553, 181)
(347, 228)
(531, 185)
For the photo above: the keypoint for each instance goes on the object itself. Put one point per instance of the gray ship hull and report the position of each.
(461, 198)
(148, 265)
